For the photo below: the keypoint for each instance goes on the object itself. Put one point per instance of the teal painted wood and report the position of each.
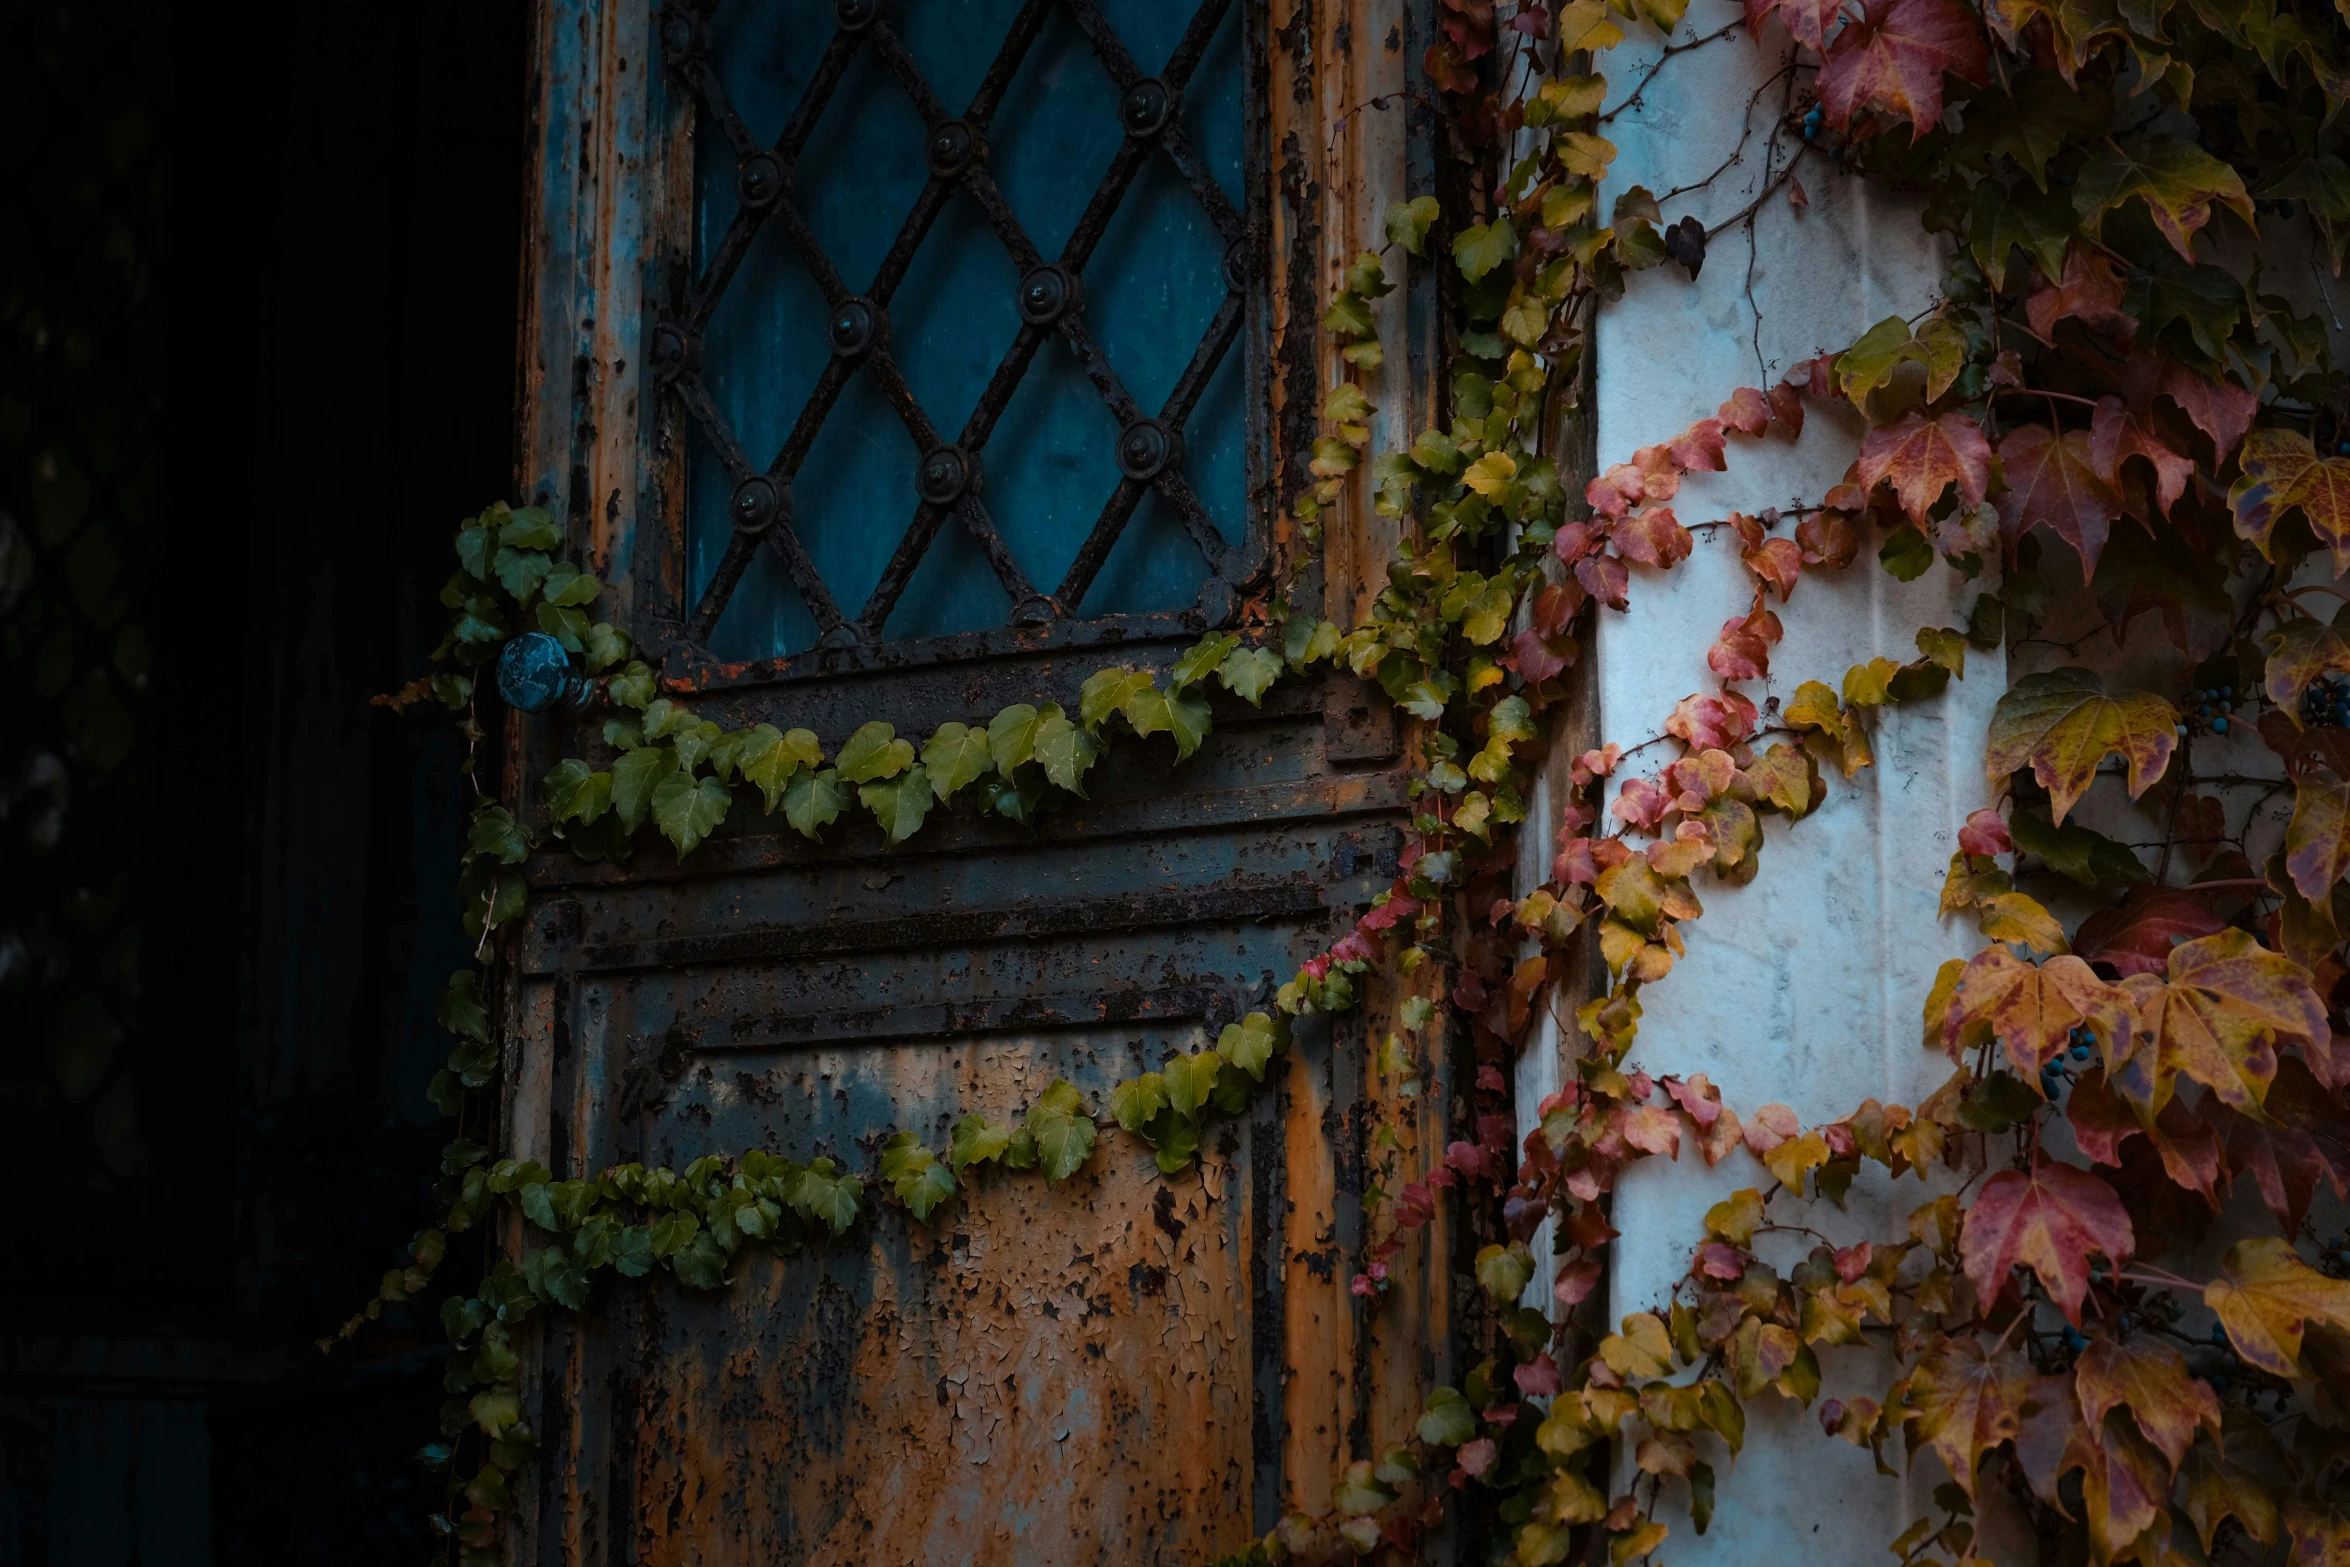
(1151, 288)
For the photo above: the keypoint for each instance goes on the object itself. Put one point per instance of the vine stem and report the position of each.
(1664, 59)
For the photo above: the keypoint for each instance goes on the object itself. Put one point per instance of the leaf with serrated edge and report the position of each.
(955, 755)
(1961, 1402)
(1921, 458)
(2267, 1296)
(2217, 1015)
(2049, 1219)
(2063, 724)
(2151, 1380)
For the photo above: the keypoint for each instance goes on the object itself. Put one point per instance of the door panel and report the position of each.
(1125, 1367)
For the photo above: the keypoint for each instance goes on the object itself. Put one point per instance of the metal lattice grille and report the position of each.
(946, 475)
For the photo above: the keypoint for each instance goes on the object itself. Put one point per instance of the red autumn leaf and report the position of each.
(1921, 458)
(1743, 652)
(1827, 539)
(1539, 1377)
(2218, 1015)
(1961, 1402)
(1787, 408)
(1605, 578)
(1748, 412)
(1577, 539)
(2305, 1140)
(1777, 562)
(1985, 834)
(2049, 1220)
(1555, 605)
(2052, 481)
(2102, 1121)
(2136, 938)
(1697, 1097)
(1699, 448)
(1616, 491)
(1711, 723)
(1653, 536)
(1772, 1125)
(1447, 69)
(2116, 436)
(1893, 59)
(1576, 1281)
(1719, 1261)
(1806, 20)
(1535, 659)
(2091, 293)
(2220, 409)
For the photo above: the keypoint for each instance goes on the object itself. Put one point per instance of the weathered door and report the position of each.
(904, 359)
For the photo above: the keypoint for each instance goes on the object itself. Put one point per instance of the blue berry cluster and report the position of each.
(2214, 705)
(2053, 1072)
(1812, 120)
(2327, 701)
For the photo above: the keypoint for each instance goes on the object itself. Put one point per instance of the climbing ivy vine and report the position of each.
(2123, 418)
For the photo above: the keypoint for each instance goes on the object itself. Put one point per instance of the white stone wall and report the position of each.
(1804, 987)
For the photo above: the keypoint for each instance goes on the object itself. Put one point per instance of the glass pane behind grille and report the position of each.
(1152, 289)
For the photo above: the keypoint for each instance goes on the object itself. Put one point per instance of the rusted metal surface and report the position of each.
(1124, 1368)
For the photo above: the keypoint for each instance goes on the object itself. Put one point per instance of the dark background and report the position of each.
(258, 281)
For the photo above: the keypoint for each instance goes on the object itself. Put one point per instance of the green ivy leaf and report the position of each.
(915, 1174)
(1407, 223)
(1504, 1271)
(688, 809)
(770, 758)
(1945, 646)
(673, 1231)
(1905, 553)
(1249, 1044)
(813, 800)
(2178, 181)
(1202, 659)
(1136, 1101)
(1186, 717)
(1938, 345)
(530, 528)
(633, 686)
(874, 751)
(2001, 219)
(474, 548)
(1108, 691)
(1173, 1139)
(1303, 641)
(603, 645)
(1061, 1131)
(1446, 1420)
(520, 572)
(635, 775)
(1483, 246)
(1065, 751)
(496, 833)
(1190, 1079)
(461, 1009)
(567, 584)
(821, 1193)
(977, 1140)
(575, 794)
(899, 804)
(1011, 735)
(954, 756)
(567, 626)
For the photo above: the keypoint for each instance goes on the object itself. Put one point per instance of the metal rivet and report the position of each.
(853, 327)
(952, 148)
(1146, 107)
(943, 476)
(1035, 610)
(681, 34)
(756, 505)
(1046, 294)
(1236, 266)
(845, 634)
(758, 179)
(855, 15)
(1145, 448)
(675, 350)
(535, 674)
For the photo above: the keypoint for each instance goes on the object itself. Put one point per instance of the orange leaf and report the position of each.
(2150, 1379)
(2034, 1008)
(2063, 724)
(2283, 471)
(2052, 480)
(1777, 562)
(1921, 458)
(1807, 20)
(2218, 1017)
(2049, 1220)
(2090, 293)
(2266, 1297)
(1962, 1402)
